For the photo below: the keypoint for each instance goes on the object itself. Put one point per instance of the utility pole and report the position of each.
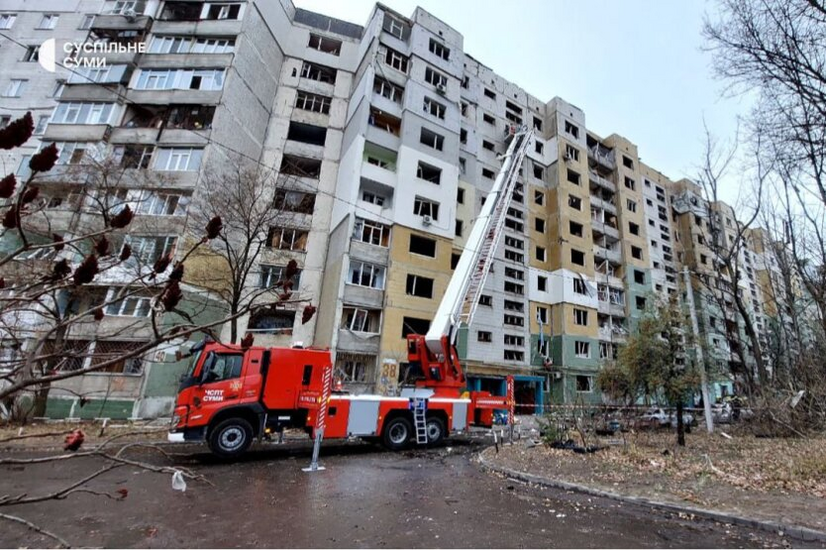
(699, 347)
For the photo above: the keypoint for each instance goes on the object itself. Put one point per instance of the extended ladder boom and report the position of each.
(459, 302)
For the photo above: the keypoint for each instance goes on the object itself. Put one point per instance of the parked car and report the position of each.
(725, 413)
(658, 417)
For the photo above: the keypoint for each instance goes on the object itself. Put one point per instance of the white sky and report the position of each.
(635, 67)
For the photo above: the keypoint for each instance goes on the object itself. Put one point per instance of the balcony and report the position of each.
(111, 21)
(598, 181)
(165, 97)
(601, 157)
(608, 254)
(76, 132)
(606, 205)
(185, 60)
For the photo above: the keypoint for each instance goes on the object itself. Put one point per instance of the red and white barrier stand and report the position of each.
(321, 418)
(511, 404)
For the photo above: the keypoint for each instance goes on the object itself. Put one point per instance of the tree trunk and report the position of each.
(680, 425)
(233, 324)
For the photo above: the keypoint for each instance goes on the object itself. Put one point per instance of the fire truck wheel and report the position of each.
(230, 438)
(397, 433)
(435, 430)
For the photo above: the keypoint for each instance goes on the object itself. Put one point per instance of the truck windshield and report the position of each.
(193, 362)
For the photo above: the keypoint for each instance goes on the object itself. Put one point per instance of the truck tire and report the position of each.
(230, 438)
(397, 433)
(435, 430)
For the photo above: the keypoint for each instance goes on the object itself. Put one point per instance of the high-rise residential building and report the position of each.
(386, 139)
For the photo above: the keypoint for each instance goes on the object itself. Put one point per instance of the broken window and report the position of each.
(432, 139)
(539, 197)
(366, 274)
(460, 195)
(307, 133)
(571, 153)
(439, 50)
(575, 202)
(426, 208)
(270, 275)
(488, 119)
(513, 340)
(575, 229)
(571, 129)
(633, 228)
(639, 277)
(317, 72)
(434, 108)
(631, 205)
(490, 93)
(288, 238)
(582, 349)
(395, 27)
(292, 165)
(630, 184)
(371, 232)
(577, 257)
(294, 201)
(584, 384)
(271, 322)
(221, 11)
(538, 172)
(312, 102)
(488, 173)
(324, 44)
(389, 90)
(627, 162)
(537, 124)
(573, 177)
(396, 60)
(428, 173)
(413, 325)
(514, 320)
(539, 225)
(134, 156)
(360, 319)
(434, 77)
(488, 145)
(419, 286)
(580, 287)
(580, 317)
(484, 336)
(385, 121)
(423, 246)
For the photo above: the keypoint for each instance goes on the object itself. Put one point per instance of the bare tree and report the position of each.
(260, 214)
(726, 234)
(777, 50)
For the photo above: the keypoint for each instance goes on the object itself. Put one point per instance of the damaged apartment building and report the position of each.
(386, 139)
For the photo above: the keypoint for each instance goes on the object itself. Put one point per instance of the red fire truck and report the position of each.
(233, 394)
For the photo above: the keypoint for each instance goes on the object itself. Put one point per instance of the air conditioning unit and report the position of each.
(427, 220)
(441, 88)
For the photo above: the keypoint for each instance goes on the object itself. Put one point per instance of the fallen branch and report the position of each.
(34, 527)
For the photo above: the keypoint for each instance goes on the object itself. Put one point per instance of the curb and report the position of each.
(793, 531)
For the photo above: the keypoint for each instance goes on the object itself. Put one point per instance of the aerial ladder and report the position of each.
(434, 354)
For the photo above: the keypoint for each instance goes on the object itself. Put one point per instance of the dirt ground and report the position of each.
(781, 480)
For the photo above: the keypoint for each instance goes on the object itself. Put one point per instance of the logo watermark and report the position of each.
(82, 54)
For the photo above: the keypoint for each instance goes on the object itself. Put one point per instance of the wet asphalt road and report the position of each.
(365, 498)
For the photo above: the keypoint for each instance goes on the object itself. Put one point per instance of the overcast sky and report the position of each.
(635, 67)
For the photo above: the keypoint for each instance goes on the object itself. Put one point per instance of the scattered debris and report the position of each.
(178, 481)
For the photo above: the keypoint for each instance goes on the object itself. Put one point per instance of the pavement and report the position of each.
(365, 498)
